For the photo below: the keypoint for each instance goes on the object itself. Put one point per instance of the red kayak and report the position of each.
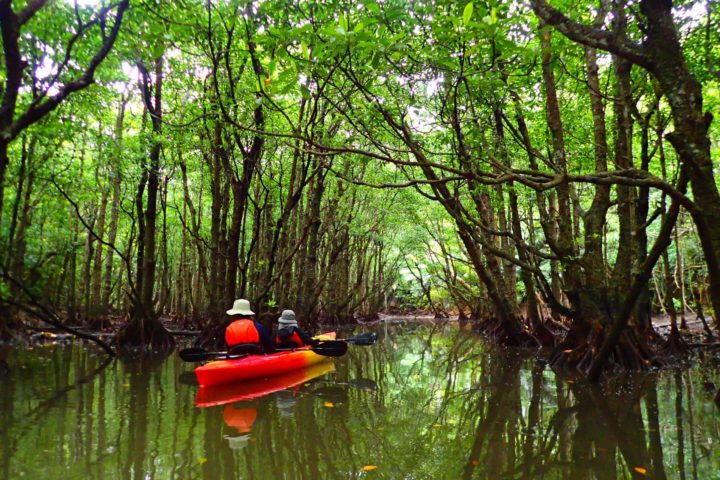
(220, 372)
(237, 392)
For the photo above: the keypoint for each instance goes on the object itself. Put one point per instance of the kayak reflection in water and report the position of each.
(289, 334)
(245, 331)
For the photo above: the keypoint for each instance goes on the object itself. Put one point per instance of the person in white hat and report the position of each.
(244, 330)
(289, 334)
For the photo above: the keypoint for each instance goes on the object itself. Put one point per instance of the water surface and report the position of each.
(426, 402)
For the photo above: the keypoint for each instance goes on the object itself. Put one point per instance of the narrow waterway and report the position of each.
(425, 402)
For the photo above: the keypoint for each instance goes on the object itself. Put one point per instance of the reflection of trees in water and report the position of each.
(579, 437)
(446, 406)
(71, 372)
(522, 427)
(75, 415)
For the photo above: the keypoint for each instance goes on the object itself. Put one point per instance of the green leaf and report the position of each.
(373, 8)
(156, 29)
(305, 50)
(344, 23)
(158, 49)
(359, 27)
(467, 13)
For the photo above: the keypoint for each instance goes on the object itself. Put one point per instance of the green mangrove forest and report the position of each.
(546, 173)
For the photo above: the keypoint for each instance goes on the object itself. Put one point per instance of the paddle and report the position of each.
(199, 354)
(326, 348)
(362, 339)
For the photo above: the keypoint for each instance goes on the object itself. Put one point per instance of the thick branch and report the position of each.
(612, 42)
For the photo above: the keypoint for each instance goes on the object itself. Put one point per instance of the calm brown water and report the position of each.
(424, 403)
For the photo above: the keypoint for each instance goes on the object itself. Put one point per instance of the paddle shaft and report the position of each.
(363, 339)
(327, 348)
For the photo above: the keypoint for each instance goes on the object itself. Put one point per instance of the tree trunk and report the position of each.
(541, 333)
(144, 329)
(691, 138)
(625, 194)
(96, 298)
(4, 161)
(308, 295)
(71, 263)
(241, 186)
(644, 311)
(112, 237)
(115, 206)
(680, 276)
(85, 287)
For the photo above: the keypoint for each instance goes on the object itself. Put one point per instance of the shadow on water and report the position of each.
(427, 401)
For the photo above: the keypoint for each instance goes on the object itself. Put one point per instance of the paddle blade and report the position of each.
(331, 348)
(195, 354)
(364, 383)
(363, 339)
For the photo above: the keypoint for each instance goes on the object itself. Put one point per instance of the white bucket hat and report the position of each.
(240, 307)
(287, 319)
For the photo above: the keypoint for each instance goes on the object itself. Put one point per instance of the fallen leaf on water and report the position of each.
(640, 470)
(568, 350)
(475, 462)
(202, 460)
(367, 468)
(328, 404)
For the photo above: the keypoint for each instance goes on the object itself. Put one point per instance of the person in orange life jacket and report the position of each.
(245, 330)
(289, 334)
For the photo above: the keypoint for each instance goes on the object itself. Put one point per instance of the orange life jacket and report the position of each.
(289, 341)
(241, 331)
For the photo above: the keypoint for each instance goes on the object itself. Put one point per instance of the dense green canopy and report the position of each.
(545, 170)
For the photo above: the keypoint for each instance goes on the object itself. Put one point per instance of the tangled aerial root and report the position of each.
(506, 335)
(675, 345)
(145, 333)
(579, 348)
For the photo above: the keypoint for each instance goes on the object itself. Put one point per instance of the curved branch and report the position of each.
(612, 42)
